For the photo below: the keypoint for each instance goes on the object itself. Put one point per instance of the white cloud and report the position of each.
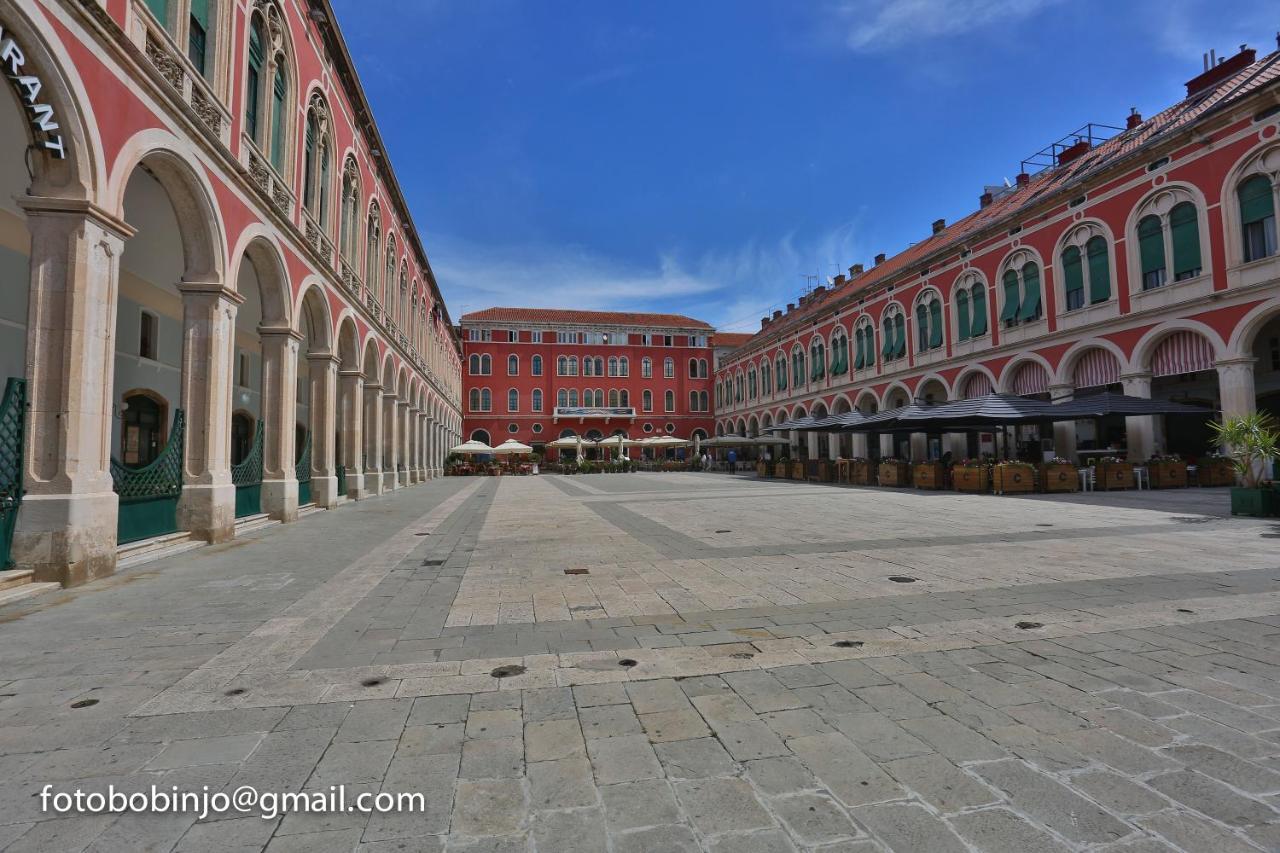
(876, 25)
(730, 289)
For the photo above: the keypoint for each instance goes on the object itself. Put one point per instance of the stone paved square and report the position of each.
(1088, 672)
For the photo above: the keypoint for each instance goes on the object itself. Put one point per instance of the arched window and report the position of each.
(702, 368)
(513, 365)
(1257, 217)
(1169, 228)
(573, 365)
(1086, 267)
(473, 364)
(669, 368)
(693, 401)
(535, 365)
(404, 293)
(894, 334)
(971, 308)
(599, 362)
(389, 276)
(562, 398)
(486, 364)
(513, 400)
(1021, 291)
(536, 400)
(864, 344)
(142, 431)
(613, 397)
(646, 368)
(624, 398)
(669, 400)
(647, 400)
(317, 161)
(573, 397)
(588, 368)
(474, 400)
(766, 377)
(562, 366)
(372, 251)
(693, 368)
(751, 384)
(839, 353)
(703, 401)
(266, 113)
(782, 372)
(929, 334)
(624, 366)
(797, 367)
(817, 360)
(613, 365)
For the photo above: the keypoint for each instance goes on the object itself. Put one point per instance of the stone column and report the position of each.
(324, 395)
(859, 441)
(66, 529)
(1064, 432)
(207, 507)
(1140, 429)
(833, 446)
(351, 411)
(1235, 387)
(402, 431)
(919, 447)
(886, 445)
(421, 434)
(373, 438)
(390, 448)
(279, 414)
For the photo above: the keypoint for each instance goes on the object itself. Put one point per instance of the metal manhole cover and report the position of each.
(902, 579)
(847, 644)
(433, 562)
(1185, 610)
(1027, 626)
(742, 655)
(577, 571)
(236, 691)
(84, 703)
(626, 663)
(724, 531)
(508, 671)
(373, 682)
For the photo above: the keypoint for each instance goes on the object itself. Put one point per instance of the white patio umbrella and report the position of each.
(731, 440)
(512, 446)
(617, 442)
(468, 448)
(569, 442)
(768, 439)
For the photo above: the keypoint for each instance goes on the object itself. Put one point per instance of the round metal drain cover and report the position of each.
(847, 644)
(902, 579)
(84, 703)
(626, 663)
(1027, 626)
(508, 671)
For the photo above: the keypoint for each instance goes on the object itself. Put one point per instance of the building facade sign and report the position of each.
(27, 87)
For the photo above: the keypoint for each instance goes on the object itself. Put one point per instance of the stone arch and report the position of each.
(1066, 372)
(348, 344)
(867, 402)
(257, 246)
(1140, 360)
(1263, 158)
(974, 373)
(313, 311)
(171, 163)
(388, 373)
(79, 172)
(932, 388)
(1244, 337)
(895, 395)
(369, 361)
(1009, 374)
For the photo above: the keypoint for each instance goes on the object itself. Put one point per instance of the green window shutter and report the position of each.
(1031, 292)
(962, 315)
(252, 83)
(922, 327)
(1072, 276)
(1256, 202)
(1010, 310)
(870, 332)
(886, 344)
(1151, 244)
(200, 12)
(1099, 270)
(979, 326)
(935, 323)
(1184, 232)
(859, 358)
(309, 162)
(160, 8)
(900, 336)
(279, 91)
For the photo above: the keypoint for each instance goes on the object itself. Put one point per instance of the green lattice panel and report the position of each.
(149, 495)
(12, 406)
(303, 473)
(247, 478)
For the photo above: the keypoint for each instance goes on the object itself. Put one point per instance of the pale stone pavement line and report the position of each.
(278, 643)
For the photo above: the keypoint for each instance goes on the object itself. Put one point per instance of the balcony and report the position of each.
(584, 412)
(191, 88)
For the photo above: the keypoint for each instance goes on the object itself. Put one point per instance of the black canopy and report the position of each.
(1109, 403)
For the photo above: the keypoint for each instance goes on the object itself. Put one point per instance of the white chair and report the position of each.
(1088, 478)
(1141, 477)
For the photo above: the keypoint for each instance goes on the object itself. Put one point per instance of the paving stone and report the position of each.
(490, 807)
(591, 695)
(1119, 794)
(879, 737)
(378, 719)
(813, 818)
(717, 804)
(549, 703)
(492, 758)
(1001, 831)
(908, 827)
(780, 775)
(1189, 832)
(494, 724)
(844, 769)
(694, 759)
(438, 709)
(940, 783)
(767, 841)
(684, 724)
(632, 805)
(213, 750)
(750, 740)
(547, 740)
(1247, 776)
(609, 721)
(1124, 755)
(623, 759)
(648, 697)
(561, 784)
(1050, 803)
(577, 831)
(1212, 798)
(668, 839)
(953, 739)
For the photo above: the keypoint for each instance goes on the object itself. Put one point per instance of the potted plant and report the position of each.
(928, 475)
(893, 472)
(1012, 477)
(862, 472)
(1112, 472)
(1167, 472)
(971, 475)
(1059, 475)
(1216, 470)
(1254, 446)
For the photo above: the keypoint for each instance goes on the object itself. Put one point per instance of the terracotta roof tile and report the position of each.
(582, 318)
(731, 339)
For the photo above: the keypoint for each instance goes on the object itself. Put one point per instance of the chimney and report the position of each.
(1216, 70)
(1134, 119)
(939, 225)
(880, 259)
(777, 314)
(985, 199)
(817, 292)
(855, 270)
(839, 280)
(1074, 151)
(791, 306)
(1023, 179)
(764, 323)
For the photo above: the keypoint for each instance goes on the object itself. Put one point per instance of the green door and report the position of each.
(149, 494)
(246, 475)
(303, 473)
(12, 405)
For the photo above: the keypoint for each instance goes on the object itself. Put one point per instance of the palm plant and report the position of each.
(1252, 441)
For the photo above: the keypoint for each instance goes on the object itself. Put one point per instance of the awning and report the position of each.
(471, 447)
(1109, 403)
(512, 446)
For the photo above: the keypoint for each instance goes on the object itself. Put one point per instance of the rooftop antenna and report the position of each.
(810, 280)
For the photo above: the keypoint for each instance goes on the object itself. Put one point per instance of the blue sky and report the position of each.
(702, 156)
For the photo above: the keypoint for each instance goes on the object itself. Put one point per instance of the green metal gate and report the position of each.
(341, 471)
(247, 478)
(12, 406)
(303, 473)
(149, 495)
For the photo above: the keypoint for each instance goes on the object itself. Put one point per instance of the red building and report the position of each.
(537, 374)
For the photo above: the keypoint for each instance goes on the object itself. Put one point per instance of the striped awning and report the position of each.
(1095, 368)
(977, 385)
(1182, 352)
(1031, 378)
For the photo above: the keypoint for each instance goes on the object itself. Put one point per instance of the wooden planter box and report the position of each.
(971, 479)
(894, 474)
(824, 471)
(1167, 475)
(1012, 479)
(781, 469)
(797, 471)
(762, 469)
(1113, 475)
(928, 475)
(862, 473)
(1216, 472)
(1059, 478)
(842, 470)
